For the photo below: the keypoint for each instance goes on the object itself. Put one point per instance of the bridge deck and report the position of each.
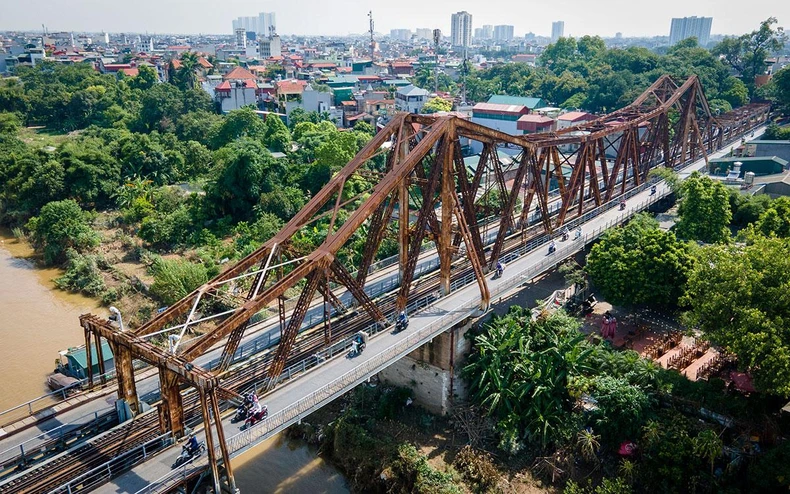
(297, 398)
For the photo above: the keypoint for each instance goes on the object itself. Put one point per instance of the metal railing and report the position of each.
(121, 463)
(55, 397)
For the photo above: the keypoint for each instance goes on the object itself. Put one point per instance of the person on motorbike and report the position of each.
(256, 408)
(191, 445)
(622, 204)
(500, 268)
(578, 234)
(402, 318)
(552, 247)
(652, 190)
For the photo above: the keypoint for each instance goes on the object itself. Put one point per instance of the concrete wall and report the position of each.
(433, 371)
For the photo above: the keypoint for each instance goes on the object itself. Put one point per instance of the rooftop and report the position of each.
(503, 99)
(412, 90)
(500, 108)
(574, 116)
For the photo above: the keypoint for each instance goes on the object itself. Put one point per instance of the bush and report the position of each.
(412, 468)
(62, 225)
(477, 469)
(82, 275)
(140, 209)
(174, 279)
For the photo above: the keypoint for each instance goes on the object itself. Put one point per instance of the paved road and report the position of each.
(289, 393)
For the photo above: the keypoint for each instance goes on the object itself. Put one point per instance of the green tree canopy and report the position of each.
(738, 298)
(437, 104)
(640, 264)
(60, 226)
(704, 210)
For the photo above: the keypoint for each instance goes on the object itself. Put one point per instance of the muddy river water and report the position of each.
(37, 321)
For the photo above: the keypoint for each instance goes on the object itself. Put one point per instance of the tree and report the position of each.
(747, 53)
(708, 445)
(9, 123)
(246, 170)
(781, 86)
(704, 210)
(737, 297)
(639, 264)
(145, 79)
(60, 226)
(437, 104)
(775, 220)
(243, 122)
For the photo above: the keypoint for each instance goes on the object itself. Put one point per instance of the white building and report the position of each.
(488, 31)
(249, 24)
(461, 29)
(423, 33)
(241, 38)
(688, 27)
(270, 47)
(503, 33)
(410, 98)
(557, 30)
(400, 34)
(317, 101)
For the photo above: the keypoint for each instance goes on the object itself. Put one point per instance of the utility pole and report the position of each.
(372, 41)
(437, 37)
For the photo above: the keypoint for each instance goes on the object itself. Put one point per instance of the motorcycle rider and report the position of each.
(191, 446)
(499, 268)
(403, 319)
(652, 190)
(578, 233)
(622, 204)
(552, 247)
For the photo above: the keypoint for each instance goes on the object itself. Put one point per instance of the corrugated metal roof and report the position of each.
(503, 99)
(495, 107)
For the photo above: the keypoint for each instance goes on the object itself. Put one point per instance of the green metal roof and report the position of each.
(751, 159)
(503, 99)
(78, 355)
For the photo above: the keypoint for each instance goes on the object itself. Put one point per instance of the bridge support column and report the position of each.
(171, 410)
(448, 203)
(124, 371)
(221, 439)
(435, 367)
(212, 458)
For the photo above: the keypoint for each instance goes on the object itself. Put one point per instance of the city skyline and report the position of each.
(302, 17)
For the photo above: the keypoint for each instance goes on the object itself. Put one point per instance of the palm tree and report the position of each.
(708, 445)
(186, 74)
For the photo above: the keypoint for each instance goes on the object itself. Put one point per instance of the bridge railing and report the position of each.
(121, 463)
(290, 414)
(52, 398)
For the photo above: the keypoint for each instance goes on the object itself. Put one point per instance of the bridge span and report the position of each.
(419, 192)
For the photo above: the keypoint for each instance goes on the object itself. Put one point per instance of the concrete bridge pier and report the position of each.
(433, 371)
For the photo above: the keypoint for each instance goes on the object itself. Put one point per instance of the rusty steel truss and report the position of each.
(410, 185)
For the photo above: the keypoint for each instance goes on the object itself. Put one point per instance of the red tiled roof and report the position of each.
(131, 72)
(575, 116)
(176, 64)
(323, 65)
(291, 87)
(239, 73)
(205, 63)
(343, 70)
(401, 65)
(537, 119)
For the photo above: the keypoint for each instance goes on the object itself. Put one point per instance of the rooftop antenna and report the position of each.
(372, 41)
(437, 37)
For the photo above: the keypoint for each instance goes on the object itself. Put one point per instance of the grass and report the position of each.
(41, 136)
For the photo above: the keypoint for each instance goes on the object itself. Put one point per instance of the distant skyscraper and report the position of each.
(461, 29)
(400, 34)
(264, 24)
(479, 32)
(241, 38)
(270, 46)
(557, 30)
(488, 31)
(267, 24)
(688, 27)
(424, 33)
(503, 33)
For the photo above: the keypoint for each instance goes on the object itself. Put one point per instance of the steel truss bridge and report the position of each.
(408, 187)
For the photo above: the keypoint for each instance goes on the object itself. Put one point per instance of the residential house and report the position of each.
(573, 118)
(530, 103)
(532, 124)
(501, 117)
(410, 99)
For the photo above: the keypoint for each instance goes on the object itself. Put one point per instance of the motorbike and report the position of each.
(256, 417)
(187, 455)
(565, 236)
(242, 412)
(361, 339)
(577, 235)
(622, 206)
(652, 190)
(552, 249)
(400, 325)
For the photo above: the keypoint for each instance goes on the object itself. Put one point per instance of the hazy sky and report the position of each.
(602, 17)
